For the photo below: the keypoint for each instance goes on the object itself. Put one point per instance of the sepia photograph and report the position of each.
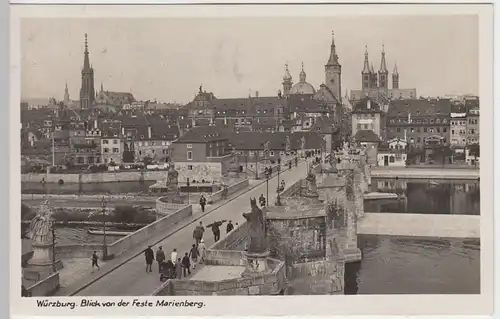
(249, 155)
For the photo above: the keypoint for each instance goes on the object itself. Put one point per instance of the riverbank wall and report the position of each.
(426, 173)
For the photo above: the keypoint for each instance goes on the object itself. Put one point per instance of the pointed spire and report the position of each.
(102, 87)
(86, 62)
(395, 70)
(66, 87)
(287, 76)
(366, 67)
(334, 58)
(302, 75)
(383, 66)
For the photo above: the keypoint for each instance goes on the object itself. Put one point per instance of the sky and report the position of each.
(167, 59)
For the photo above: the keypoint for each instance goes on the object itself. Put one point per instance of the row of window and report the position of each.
(115, 150)
(425, 129)
(164, 151)
(152, 143)
(107, 141)
(473, 121)
(418, 121)
(367, 126)
(421, 140)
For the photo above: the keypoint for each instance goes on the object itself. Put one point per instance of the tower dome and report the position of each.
(287, 76)
(302, 87)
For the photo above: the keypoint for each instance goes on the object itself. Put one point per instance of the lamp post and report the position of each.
(278, 200)
(104, 245)
(187, 190)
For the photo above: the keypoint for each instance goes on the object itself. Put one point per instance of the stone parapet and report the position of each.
(45, 287)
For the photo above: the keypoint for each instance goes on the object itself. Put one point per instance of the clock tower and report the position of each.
(333, 73)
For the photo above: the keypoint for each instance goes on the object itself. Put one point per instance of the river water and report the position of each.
(394, 265)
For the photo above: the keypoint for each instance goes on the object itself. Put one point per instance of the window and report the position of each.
(106, 150)
(271, 153)
(250, 153)
(366, 126)
(438, 129)
(359, 126)
(418, 140)
(152, 143)
(418, 129)
(116, 150)
(438, 121)
(444, 129)
(115, 141)
(140, 152)
(190, 167)
(425, 129)
(398, 130)
(261, 153)
(431, 130)
(105, 141)
(391, 159)
(190, 156)
(140, 143)
(431, 121)
(189, 145)
(452, 131)
(412, 130)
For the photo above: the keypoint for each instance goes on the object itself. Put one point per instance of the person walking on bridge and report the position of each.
(95, 260)
(201, 249)
(193, 253)
(198, 233)
(160, 258)
(215, 229)
(173, 256)
(186, 264)
(149, 256)
(203, 202)
(229, 227)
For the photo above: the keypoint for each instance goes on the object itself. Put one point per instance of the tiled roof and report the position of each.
(420, 107)
(256, 140)
(305, 103)
(366, 105)
(366, 136)
(202, 134)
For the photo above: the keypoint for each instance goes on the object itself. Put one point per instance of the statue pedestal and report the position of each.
(256, 264)
(41, 262)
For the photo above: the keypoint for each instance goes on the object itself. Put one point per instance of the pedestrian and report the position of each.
(229, 227)
(178, 268)
(173, 256)
(203, 202)
(296, 161)
(193, 253)
(160, 258)
(198, 233)
(95, 261)
(290, 165)
(186, 264)
(215, 229)
(170, 269)
(262, 200)
(149, 255)
(201, 250)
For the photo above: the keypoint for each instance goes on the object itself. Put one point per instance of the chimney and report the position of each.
(369, 104)
(149, 132)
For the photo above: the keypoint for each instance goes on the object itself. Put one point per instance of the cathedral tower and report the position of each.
(287, 81)
(366, 74)
(66, 95)
(395, 77)
(373, 75)
(333, 71)
(87, 91)
(383, 74)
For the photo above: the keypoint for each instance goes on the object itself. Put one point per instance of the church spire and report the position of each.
(86, 61)
(287, 76)
(334, 58)
(383, 66)
(395, 70)
(302, 75)
(366, 67)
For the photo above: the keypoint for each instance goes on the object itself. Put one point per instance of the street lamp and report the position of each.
(104, 245)
(278, 200)
(53, 224)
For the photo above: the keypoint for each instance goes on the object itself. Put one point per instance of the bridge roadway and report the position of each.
(131, 279)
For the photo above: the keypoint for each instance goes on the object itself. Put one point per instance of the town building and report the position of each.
(393, 153)
(112, 101)
(156, 146)
(415, 120)
(368, 115)
(111, 142)
(473, 126)
(458, 130)
(376, 84)
(201, 155)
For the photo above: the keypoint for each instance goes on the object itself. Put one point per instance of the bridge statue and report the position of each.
(257, 251)
(172, 178)
(41, 225)
(311, 190)
(257, 234)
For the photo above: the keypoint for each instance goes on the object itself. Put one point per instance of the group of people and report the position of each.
(179, 266)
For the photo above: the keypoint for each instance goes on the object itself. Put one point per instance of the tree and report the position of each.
(147, 160)
(125, 213)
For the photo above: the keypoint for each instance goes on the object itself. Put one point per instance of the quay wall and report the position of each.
(102, 177)
(425, 173)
